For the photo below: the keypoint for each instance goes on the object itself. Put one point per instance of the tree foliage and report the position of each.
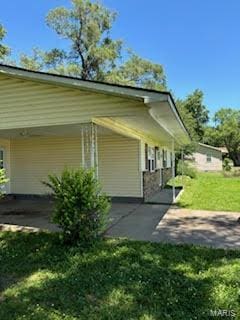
(4, 50)
(194, 114)
(226, 132)
(89, 51)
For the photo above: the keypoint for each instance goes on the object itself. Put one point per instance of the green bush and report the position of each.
(3, 181)
(227, 164)
(187, 170)
(81, 208)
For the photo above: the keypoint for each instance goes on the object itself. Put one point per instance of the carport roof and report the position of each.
(148, 96)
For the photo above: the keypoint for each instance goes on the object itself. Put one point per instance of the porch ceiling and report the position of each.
(144, 128)
(72, 130)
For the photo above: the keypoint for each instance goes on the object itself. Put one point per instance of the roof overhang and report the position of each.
(161, 105)
(210, 147)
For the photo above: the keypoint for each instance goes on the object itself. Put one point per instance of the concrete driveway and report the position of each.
(35, 214)
(157, 223)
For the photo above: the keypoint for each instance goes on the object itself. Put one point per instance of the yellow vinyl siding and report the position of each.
(32, 159)
(119, 168)
(27, 103)
(5, 146)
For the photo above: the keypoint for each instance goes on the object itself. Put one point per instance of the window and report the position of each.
(209, 158)
(159, 158)
(146, 157)
(169, 159)
(151, 159)
(164, 158)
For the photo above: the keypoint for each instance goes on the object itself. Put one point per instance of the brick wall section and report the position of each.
(167, 175)
(151, 181)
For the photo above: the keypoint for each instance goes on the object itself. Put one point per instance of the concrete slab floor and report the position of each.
(36, 214)
(149, 222)
(159, 223)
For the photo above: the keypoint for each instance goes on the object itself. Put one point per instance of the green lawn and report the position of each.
(118, 279)
(211, 191)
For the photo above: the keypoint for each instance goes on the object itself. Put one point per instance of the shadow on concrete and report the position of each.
(33, 214)
(209, 228)
(149, 222)
(164, 196)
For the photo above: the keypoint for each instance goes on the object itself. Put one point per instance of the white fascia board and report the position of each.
(153, 99)
(173, 108)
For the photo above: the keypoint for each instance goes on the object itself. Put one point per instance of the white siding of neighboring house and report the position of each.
(32, 159)
(201, 159)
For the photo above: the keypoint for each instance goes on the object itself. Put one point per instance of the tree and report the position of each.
(226, 132)
(4, 50)
(138, 72)
(89, 51)
(194, 114)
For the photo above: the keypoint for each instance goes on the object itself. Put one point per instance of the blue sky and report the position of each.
(197, 41)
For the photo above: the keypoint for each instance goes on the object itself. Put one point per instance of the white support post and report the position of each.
(182, 158)
(92, 150)
(83, 149)
(96, 150)
(173, 171)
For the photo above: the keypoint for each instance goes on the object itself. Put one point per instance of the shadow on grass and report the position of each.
(117, 279)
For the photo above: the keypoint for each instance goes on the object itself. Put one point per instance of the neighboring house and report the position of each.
(225, 153)
(207, 158)
(48, 122)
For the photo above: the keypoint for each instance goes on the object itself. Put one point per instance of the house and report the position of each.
(225, 153)
(207, 158)
(50, 121)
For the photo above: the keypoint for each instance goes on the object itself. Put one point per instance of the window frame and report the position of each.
(150, 158)
(208, 158)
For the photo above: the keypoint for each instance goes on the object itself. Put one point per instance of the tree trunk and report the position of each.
(235, 156)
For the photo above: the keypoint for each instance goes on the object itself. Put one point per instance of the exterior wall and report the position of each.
(167, 175)
(151, 183)
(156, 180)
(5, 146)
(201, 159)
(32, 159)
(119, 167)
(26, 103)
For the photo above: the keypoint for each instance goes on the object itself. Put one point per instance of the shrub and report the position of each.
(3, 181)
(187, 170)
(81, 208)
(227, 164)
(236, 173)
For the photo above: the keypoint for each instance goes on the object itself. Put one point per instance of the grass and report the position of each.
(211, 191)
(116, 279)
